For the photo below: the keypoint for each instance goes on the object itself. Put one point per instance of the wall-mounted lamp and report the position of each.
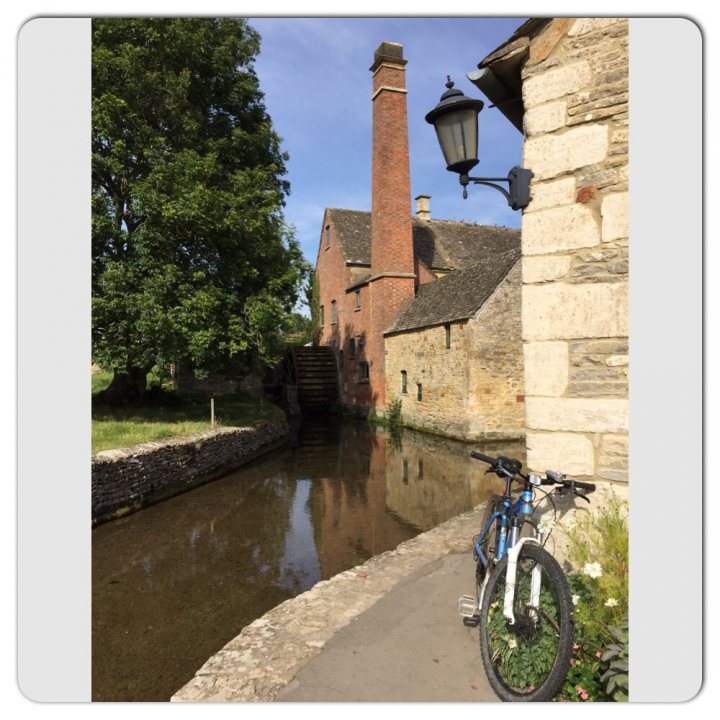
(455, 119)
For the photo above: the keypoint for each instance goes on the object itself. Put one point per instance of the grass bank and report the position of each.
(121, 427)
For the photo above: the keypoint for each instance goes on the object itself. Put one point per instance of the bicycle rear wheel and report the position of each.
(529, 660)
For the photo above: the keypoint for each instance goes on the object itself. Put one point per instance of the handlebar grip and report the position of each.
(485, 458)
(590, 487)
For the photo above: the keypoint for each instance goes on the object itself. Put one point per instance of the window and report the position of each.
(357, 299)
(421, 469)
(352, 348)
(419, 395)
(405, 470)
(322, 314)
(364, 373)
(327, 236)
(333, 305)
(341, 359)
(447, 336)
(403, 376)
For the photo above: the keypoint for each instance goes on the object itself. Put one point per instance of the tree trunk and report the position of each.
(128, 387)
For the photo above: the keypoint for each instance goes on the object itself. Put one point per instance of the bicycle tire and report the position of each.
(527, 661)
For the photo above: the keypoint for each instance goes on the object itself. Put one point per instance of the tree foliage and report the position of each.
(192, 260)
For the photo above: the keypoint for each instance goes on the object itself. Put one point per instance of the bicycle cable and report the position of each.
(548, 496)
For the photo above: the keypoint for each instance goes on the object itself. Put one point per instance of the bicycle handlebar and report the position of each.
(485, 458)
(553, 477)
(590, 487)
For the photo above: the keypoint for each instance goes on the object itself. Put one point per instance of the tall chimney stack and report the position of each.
(392, 281)
(391, 236)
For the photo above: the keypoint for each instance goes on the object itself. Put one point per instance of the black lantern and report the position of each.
(455, 119)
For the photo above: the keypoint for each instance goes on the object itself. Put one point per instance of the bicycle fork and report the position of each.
(469, 606)
(510, 578)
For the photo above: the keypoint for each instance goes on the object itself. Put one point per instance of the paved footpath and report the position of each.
(387, 630)
(411, 646)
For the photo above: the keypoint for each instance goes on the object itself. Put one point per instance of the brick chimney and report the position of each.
(422, 207)
(391, 237)
(391, 244)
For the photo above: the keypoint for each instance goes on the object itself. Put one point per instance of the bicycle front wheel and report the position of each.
(529, 660)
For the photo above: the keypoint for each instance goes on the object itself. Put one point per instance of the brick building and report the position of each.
(420, 309)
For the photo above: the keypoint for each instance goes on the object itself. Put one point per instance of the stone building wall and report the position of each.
(127, 479)
(575, 248)
(496, 408)
(441, 371)
(472, 390)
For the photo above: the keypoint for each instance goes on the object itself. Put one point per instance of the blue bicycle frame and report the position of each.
(506, 540)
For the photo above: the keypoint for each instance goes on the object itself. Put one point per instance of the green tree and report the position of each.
(192, 260)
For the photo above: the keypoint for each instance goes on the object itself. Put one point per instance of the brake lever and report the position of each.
(584, 497)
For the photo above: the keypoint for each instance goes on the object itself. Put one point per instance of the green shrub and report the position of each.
(393, 414)
(615, 678)
(599, 589)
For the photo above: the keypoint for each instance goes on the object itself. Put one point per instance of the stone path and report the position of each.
(411, 646)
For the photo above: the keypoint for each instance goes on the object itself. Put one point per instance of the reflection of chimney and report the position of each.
(422, 207)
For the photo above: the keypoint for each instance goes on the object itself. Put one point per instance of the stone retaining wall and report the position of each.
(128, 479)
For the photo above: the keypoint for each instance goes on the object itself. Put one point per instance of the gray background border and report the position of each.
(666, 256)
(53, 332)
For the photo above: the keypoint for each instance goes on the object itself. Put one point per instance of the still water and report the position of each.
(173, 583)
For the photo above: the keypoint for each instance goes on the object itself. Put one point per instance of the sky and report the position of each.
(315, 75)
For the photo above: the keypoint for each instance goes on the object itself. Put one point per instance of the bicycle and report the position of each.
(522, 602)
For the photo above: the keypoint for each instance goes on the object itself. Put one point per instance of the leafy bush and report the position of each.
(616, 678)
(393, 414)
(599, 589)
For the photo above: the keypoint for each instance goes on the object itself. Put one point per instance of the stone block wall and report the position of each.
(472, 390)
(127, 479)
(575, 248)
(496, 394)
(441, 371)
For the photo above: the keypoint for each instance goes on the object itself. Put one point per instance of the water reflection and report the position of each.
(175, 582)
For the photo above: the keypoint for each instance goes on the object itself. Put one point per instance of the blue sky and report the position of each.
(314, 73)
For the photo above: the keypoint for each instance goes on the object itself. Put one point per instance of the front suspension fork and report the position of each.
(510, 579)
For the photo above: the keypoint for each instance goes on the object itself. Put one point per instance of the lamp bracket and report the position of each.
(518, 180)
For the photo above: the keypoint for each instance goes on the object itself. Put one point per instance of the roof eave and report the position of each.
(498, 74)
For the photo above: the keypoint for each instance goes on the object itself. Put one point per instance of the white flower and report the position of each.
(611, 602)
(575, 599)
(593, 570)
(569, 523)
(512, 643)
(545, 524)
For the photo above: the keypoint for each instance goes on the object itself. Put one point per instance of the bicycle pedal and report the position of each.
(467, 606)
(471, 621)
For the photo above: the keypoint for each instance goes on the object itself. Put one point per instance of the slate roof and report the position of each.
(456, 296)
(439, 244)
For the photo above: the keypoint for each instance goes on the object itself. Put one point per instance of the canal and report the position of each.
(173, 583)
